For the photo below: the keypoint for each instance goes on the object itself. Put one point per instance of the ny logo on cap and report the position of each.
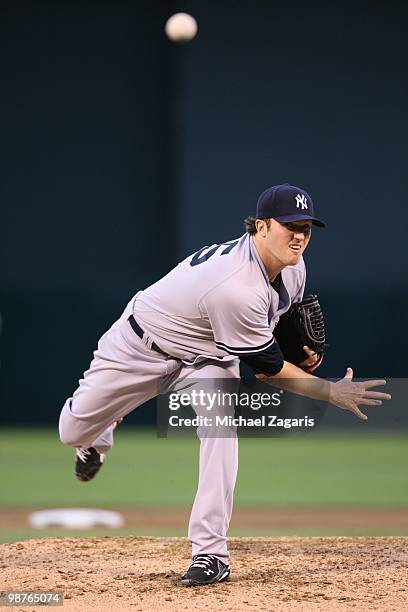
(301, 201)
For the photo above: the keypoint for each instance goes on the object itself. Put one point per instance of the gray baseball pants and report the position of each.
(124, 374)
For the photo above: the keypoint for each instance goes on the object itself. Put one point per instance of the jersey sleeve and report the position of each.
(240, 325)
(270, 361)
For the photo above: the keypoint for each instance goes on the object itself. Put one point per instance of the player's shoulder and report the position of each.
(219, 260)
(236, 280)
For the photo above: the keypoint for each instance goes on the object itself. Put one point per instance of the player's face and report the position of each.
(287, 241)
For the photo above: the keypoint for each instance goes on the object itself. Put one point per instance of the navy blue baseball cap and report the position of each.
(286, 203)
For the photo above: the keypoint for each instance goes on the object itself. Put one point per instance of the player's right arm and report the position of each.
(345, 393)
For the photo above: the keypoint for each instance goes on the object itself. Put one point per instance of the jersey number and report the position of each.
(199, 259)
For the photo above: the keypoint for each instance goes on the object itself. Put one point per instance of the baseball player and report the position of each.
(217, 307)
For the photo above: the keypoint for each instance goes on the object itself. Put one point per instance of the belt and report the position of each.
(143, 336)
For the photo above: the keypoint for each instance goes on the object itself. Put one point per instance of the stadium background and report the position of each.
(121, 153)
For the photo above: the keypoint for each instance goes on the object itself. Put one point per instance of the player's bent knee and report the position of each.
(70, 437)
(66, 438)
(69, 432)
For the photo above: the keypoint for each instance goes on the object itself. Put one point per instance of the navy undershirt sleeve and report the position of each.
(270, 361)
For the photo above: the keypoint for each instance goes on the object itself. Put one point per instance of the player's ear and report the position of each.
(262, 227)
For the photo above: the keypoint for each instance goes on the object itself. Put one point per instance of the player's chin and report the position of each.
(294, 256)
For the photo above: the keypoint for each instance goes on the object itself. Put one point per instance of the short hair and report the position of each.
(250, 225)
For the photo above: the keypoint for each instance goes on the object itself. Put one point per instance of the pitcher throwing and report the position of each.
(217, 307)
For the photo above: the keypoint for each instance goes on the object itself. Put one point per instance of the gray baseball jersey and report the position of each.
(217, 303)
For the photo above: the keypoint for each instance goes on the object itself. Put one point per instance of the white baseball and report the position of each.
(181, 27)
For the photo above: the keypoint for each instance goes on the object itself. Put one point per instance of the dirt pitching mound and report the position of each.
(130, 574)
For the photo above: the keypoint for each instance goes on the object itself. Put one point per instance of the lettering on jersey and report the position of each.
(200, 257)
(301, 201)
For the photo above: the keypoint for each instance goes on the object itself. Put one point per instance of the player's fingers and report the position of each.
(359, 414)
(311, 360)
(349, 374)
(370, 402)
(309, 351)
(374, 383)
(377, 395)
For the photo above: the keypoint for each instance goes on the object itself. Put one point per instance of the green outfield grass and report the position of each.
(145, 471)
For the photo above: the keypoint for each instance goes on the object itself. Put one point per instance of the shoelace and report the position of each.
(203, 561)
(83, 454)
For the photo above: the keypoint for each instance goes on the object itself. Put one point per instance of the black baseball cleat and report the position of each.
(205, 569)
(88, 463)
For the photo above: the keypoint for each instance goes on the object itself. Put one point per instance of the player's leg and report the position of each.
(123, 374)
(212, 508)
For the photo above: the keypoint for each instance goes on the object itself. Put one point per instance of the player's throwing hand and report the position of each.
(349, 395)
